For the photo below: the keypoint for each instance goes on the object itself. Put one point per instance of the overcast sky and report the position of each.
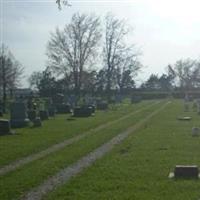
(164, 31)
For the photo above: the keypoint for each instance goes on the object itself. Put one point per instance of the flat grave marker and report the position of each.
(185, 171)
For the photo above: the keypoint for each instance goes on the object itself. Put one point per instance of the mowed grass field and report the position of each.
(137, 168)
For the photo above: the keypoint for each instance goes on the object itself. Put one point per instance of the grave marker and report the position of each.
(186, 171)
(4, 127)
(18, 115)
(195, 131)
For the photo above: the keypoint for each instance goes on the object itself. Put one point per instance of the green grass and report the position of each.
(139, 167)
(16, 183)
(31, 140)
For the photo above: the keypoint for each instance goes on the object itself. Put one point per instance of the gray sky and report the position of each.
(164, 31)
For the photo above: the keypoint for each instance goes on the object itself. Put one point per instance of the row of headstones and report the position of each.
(20, 117)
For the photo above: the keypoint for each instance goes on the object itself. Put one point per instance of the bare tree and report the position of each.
(72, 49)
(10, 72)
(187, 73)
(118, 56)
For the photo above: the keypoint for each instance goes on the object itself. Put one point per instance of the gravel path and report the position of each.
(19, 163)
(64, 175)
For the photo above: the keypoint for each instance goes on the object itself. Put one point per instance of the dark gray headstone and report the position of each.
(84, 111)
(37, 122)
(186, 171)
(44, 115)
(63, 108)
(18, 115)
(102, 105)
(4, 127)
(51, 111)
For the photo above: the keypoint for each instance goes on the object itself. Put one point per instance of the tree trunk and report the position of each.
(4, 85)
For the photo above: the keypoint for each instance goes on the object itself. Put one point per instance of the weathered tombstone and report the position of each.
(184, 118)
(186, 171)
(102, 105)
(44, 115)
(37, 122)
(92, 106)
(4, 127)
(83, 111)
(51, 111)
(195, 131)
(18, 115)
(41, 105)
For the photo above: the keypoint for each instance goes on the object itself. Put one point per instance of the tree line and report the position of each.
(91, 55)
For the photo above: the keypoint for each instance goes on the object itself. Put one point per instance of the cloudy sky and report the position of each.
(164, 31)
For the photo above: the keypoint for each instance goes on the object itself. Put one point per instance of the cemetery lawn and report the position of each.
(138, 168)
(16, 183)
(30, 140)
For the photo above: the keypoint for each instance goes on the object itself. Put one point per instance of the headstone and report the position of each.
(18, 115)
(73, 100)
(83, 111)
(184, 118)
(4, 127)
(195, 131)
(41, 105)
(102, 105)
(37, 122)
(186, 171)
(51, 111)
(92, 106)
(44, 115)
